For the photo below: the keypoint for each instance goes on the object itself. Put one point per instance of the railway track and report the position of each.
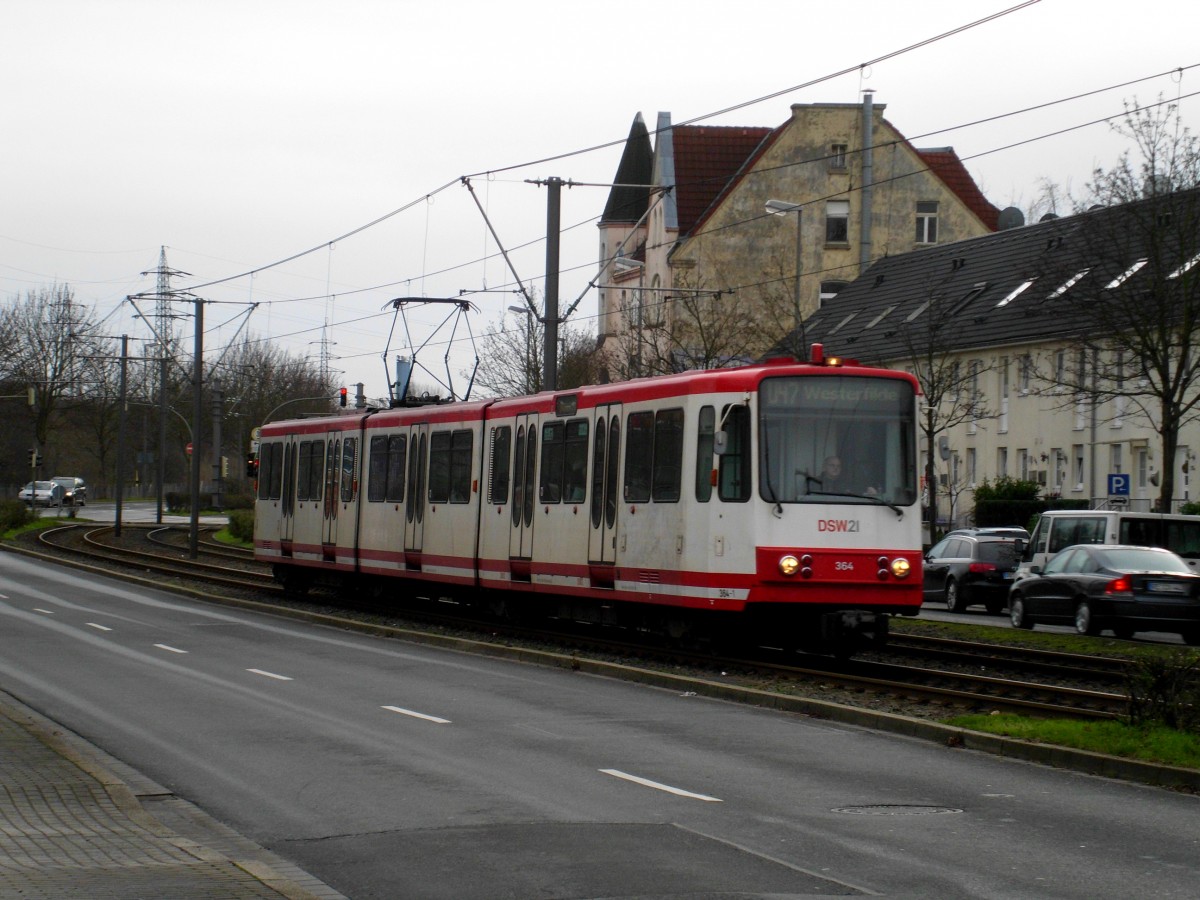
(951, 675)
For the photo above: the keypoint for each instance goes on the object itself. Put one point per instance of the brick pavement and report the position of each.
(70, 827)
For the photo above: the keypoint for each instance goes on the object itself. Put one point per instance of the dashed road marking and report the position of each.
(169, 648)
(658, 786)
(270, 675)
(98, 627)
(417, 715)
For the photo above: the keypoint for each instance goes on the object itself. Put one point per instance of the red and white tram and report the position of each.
(682, 503)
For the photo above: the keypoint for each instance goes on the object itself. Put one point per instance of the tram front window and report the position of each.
(837, 439)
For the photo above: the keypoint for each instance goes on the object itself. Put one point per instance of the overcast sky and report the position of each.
(238, 134)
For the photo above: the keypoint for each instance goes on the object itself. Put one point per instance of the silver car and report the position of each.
(42, 493)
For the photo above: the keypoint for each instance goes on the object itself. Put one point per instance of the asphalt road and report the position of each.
(394, 770)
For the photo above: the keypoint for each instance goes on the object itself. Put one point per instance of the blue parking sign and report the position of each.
(1118, 485)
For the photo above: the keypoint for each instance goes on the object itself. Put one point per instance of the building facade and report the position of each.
(1064, 352)
(846, 188)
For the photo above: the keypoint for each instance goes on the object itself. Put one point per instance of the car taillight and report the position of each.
(979, 567)
(1119, 586)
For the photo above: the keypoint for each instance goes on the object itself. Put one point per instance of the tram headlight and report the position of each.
(901, 567)
(789, 565)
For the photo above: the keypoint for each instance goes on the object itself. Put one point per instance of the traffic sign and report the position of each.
(1118, 485)
(189, 448)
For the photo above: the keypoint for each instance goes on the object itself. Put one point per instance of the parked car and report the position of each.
(1117, 586)
(1061, 528)
(41, 493)
(965, 569)
(74, 489)
(1002, 530)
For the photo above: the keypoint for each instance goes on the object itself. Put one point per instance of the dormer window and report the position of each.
(1126, 275)
(1068, 284)
(1015, 293)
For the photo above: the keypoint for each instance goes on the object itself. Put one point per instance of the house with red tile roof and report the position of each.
(686, 233)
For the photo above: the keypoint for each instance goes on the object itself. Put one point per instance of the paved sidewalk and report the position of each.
(75, 823)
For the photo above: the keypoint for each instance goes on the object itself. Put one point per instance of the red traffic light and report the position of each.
(343, 396)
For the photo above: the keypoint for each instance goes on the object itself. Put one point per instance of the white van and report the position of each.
(1059, 528)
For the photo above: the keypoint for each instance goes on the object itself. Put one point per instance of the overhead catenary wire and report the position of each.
(762, 99)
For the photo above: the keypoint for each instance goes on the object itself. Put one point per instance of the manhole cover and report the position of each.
(887, 809)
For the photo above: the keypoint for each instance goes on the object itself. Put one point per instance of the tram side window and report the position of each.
(312, 470)
(461, 444)
(501, 454)
(439, 467)
(553, 454)
(575, 462)
(668, 455)
(733, 477)
(276, 477)
(270, 471)
(349, 484)
(397, 451)
(377, 469)
(639, 456)
(704, 453)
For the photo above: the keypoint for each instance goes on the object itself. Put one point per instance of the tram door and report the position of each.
(287, 502)
(606, 459)
(525, 492)
(329, 507)
(414, 493)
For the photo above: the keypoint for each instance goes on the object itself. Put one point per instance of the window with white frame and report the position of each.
(927, 221)
(837, 222)
(1077, 465)
(971, 466)
(1025, 374)
(1023, 464)
(975, 367)
(1115, 458)
(1059, 460)
(1003, 392)
(1001, 462)
(837, 156)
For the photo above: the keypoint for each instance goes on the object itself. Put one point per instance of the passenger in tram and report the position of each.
(836, 480)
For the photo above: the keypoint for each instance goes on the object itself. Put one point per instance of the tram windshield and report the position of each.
(837, 439)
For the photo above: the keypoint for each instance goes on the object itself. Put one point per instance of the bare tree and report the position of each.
(685, 328)
(46, 336)
(951, 389)
(1143, 340)
(510, 359)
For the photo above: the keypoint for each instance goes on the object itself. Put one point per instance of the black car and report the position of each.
(965, 569)
(74, 489)
(1098, 586)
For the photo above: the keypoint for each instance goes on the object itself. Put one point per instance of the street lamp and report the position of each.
(528, 313)
(782, 208)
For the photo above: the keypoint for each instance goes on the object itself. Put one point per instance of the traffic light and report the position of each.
(343, 396)
(224, 466)
(35, 458)
(251, 466)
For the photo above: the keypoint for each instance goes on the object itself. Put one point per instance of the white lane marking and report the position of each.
(169, 648)
(98, 627)
(680, 792)
(417, 715)
(44, 612)
(269, 675)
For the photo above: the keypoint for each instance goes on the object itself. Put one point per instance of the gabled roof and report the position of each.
(1017, 287)
(944, 163)
(707, 157)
